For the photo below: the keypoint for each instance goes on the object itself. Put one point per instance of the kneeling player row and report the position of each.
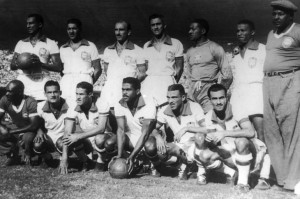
(217, 140)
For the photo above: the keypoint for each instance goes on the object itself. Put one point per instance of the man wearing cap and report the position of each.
(281, 86)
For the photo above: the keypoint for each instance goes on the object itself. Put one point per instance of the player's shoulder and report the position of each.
(29, 99)
(40, 105)
(194, 106)
(175, 41)
(149, 101)
(297, 26)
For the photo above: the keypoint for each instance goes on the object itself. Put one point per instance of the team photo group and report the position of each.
(238, 115)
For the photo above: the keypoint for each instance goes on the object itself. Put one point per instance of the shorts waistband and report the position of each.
(276, 73)
(206, 81)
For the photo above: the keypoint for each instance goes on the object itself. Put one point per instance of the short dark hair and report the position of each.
(136, 84)
(215, 88)
(177, 87)
(19, 85)
(247, 22)
(75, 21)
(51, 83)
(37, 17)
(155, 15)
(203, 23)
(85, 85)
(128, 25)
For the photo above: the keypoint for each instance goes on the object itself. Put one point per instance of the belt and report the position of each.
(275, 73)
(206, 81)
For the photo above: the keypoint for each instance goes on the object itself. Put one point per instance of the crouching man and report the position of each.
(227, 138)
(92, 119)
(136, 120)
(179, 114)
(23, 111)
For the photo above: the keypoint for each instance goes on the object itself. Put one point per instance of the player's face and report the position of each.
(175, 99)
(33, 26)
(129, 93)
(244, 33)
(82, 97)
(73, 31)
(281, 19)
(218, 100)
(52, 94)
(157, 27)
(195, 32)
(12, 92)
(121, 32)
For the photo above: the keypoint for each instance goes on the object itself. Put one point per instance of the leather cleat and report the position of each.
(86, 166)
(101, 167)
(154, 173)
(262, 184)
(201, 180)
(183, 175)
(242, 188)
(232, 180)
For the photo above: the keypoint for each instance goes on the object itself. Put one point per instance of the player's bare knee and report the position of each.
(150, 147)
(59, 145)
(200, 140)
(110, 144)
(100, 140)
(242, 145)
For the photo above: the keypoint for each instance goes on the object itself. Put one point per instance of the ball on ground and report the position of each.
(118, 168)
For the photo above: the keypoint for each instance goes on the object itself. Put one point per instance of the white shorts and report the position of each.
(246, 100)
(112, 91)
(157, 87)
(186, 142)
(34, 85)
(68, 85)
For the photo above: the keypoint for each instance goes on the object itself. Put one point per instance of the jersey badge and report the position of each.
(287, 42)
(85, 56)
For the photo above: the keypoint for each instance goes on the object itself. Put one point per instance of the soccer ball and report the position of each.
(25, 61)
(118, 168)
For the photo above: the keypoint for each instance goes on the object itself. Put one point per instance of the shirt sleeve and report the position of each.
(199, 112)
(53, 47)
(18, 47)
(150, 112)
(39, 108)
(119, 112)
(71, 114)
(221, 58)
(94, 52)
(161, 116)
(140, 56)
(31, 107)
(61, 55)
(179, 49)
(102, 106)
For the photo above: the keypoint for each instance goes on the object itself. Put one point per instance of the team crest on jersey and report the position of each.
(43, 52)
(170, 56)
(252, 62)
(197, 58)
(85, 56)
(128, 60)
(287, 42)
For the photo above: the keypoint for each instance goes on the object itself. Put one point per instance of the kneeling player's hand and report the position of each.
(63, 167)
(70, 139)
(40, 137)
(215, 137)
(129, 161)
(179, 134)
(161, 144)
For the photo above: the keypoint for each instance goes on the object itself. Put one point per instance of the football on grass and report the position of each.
(118, 168)
(25, 61)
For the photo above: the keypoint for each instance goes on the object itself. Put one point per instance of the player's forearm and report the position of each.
(55, 67)
(178, 67)
(142, 68)
(120, 141)
(247, 133)
(192, 129)
(32, 127)
(148, 126)
(97, 69)
(92, 132)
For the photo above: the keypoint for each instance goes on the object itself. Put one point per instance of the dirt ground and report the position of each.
(35, 182)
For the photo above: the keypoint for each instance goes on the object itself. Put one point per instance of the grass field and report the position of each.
(35, 182)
